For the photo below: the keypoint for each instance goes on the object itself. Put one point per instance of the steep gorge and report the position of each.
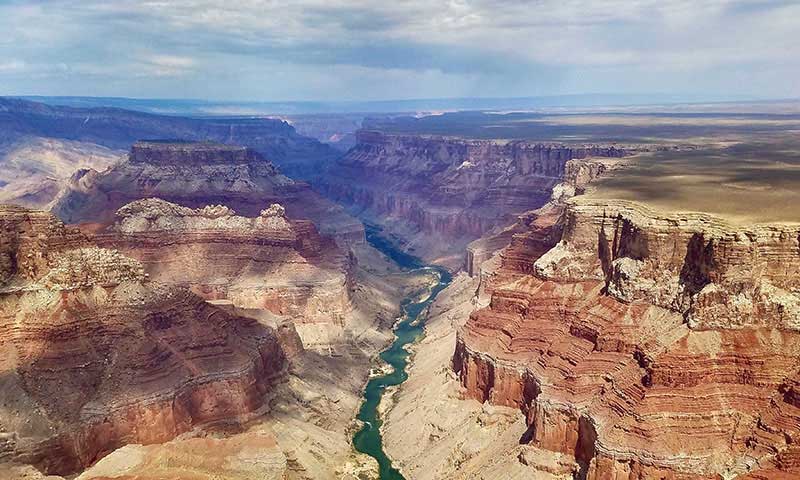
(436, 194)
(244, 334)
(205, 288)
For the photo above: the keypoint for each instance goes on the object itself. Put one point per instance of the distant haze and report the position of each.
(355, 50)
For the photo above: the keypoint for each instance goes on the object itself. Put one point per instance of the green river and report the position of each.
(408, 330)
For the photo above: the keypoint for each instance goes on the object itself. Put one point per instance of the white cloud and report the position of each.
(492, 47)
(166, 65)
(12, 66)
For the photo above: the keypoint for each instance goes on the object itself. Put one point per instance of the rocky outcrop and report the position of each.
(440, 193)
(94, 355)
(264, 262)
(714, 274)
(645, 345)
(194, 175)
(577, 175)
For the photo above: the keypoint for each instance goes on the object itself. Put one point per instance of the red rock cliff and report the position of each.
(264, 262)
(646, 345)
(94, 356)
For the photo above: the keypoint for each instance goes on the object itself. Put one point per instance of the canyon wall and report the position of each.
(577, 175)
(197, 174)
(436, 194)
(118, 129)
(641, 344)
(94, 355)
(266, 262)
(33, 170)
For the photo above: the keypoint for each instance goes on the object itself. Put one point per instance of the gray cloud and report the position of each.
(358, 49)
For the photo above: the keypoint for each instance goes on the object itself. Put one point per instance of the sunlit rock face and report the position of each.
(437, 194)
(645, 345)
(195, 175)
(94, 355)
(267, 262)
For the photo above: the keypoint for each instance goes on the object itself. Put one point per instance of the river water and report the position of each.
(408, 330)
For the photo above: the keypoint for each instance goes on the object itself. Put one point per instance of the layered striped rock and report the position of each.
(646, 345)
(195, 174)
(578, 173)
(437, 194)
(93, 355)
(264, 262)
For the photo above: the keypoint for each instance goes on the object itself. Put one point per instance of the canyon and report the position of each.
(226, 338)
(147, 331)
(340, 240)
(437, 194)
(613, 338)
(199, 309)
(96, 356)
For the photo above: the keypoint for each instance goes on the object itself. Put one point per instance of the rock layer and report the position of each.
(265, 262)
(194, 175)
(95, 356)
(441, 192)
(644, 345)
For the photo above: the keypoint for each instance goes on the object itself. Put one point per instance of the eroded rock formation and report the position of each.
(264, 262)
(645, 345)
(578, 173)
(93, 355)
(440, 193)
(194, 175)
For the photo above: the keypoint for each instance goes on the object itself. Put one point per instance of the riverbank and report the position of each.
(408, 329)
(430, 431)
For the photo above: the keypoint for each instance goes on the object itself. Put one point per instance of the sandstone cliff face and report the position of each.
(94, 356)
(714, 274)
(264, 262)
(194, 175)
(577, 175)
(445, 192)
(645, 345)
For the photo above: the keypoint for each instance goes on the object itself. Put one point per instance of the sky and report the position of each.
(326, 50)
